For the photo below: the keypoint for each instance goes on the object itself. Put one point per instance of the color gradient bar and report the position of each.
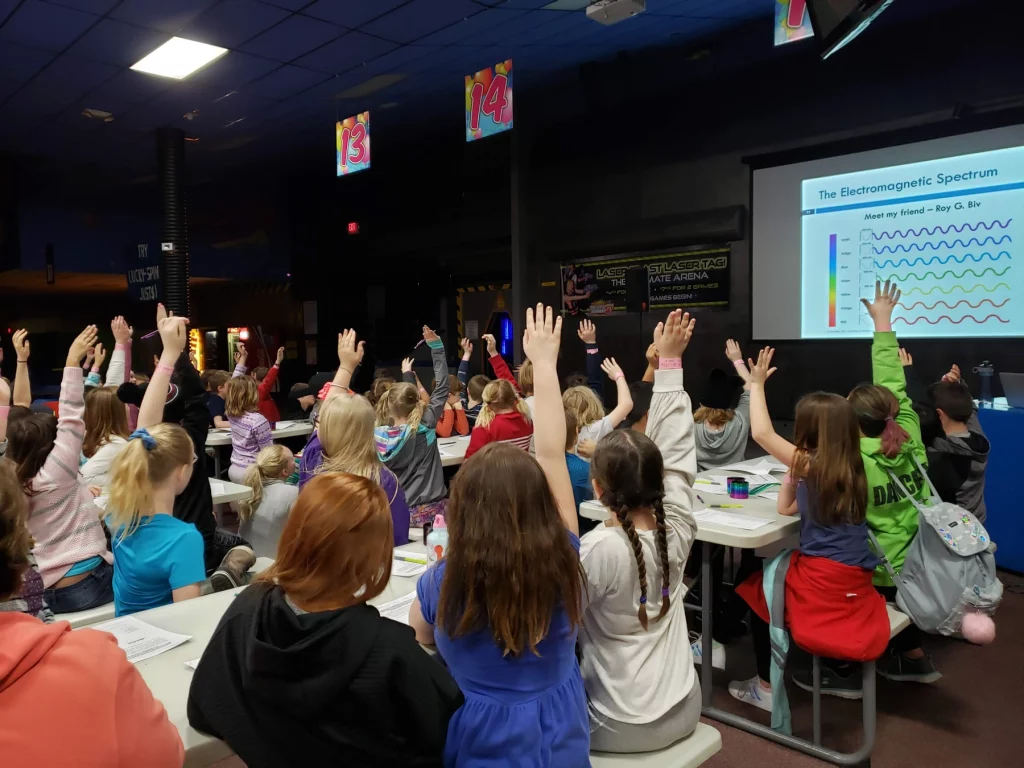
(831, 281)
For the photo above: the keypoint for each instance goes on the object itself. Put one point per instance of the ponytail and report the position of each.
(876, 408)
(270, 464)
(149, 459)
(499, 394)
(402, 401)
(893, 437)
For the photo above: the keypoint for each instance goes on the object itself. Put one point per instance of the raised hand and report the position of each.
(587, 332)
(80, 345)
(90, 355)
(886, 298)
(21, 345)
(174, 335)
(543, 336)
(492, 345)
(762, 370)
(954, 374)
(280, 356)
(407, 365)
(612, 368)
(673, 336)
(652, 355)
(350, 352)
(121, 330)
(467, 348)
(906, 359)
(733, 351)
(429, 335)
(101, 355)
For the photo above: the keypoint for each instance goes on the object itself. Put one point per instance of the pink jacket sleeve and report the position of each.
(61, 466)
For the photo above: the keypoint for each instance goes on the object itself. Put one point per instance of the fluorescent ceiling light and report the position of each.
(178, 58)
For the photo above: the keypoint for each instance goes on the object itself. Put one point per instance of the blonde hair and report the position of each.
(525, 378)
(584, 404)
(138, 469)
(105, 417)
(401, 401)
(346, 434)
(242, 396)
(713, 417)
(270, 464)
(500, 394)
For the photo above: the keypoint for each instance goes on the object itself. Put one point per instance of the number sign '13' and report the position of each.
(489, 101)
(353, 143)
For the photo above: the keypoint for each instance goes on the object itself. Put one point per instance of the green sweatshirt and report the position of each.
(891, 516)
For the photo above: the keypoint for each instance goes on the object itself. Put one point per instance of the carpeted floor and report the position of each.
(972, 718)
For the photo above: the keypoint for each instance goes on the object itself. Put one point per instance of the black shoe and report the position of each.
(844, 683)
(903, 670)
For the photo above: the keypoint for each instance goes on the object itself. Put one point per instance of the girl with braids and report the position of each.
(263, 515)
(406, 438)
(642, 690)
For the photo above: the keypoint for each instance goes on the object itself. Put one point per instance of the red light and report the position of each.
(353, 227)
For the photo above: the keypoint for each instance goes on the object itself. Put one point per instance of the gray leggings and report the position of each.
(608, 735)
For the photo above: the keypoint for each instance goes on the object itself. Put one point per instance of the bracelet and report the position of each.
(94, 369)
(346, 370)
(620, 375)
(670, 363)
(339, 386)
(161, 368)
(739, 363)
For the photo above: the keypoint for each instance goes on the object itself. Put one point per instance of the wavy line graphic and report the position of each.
(948, 272)
(933, 289)
(954, 306)
(963, 319)
(940, 260)
(942, 245)
(929, 231)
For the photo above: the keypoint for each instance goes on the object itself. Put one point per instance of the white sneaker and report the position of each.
(717, 651)
(752, 692)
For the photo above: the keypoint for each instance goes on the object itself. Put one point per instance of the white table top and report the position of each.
(225, 491)
(218, 437)
(169, 679)
(455, 448)
(779, 528)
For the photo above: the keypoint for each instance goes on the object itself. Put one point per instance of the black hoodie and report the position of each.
(343, 687)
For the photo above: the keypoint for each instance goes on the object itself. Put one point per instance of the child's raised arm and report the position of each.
(625, 401)
(541, 340)
(350, 355)
(71, 423)
(588, 335)
(435, 407)
(174, 336)
(761, 428)
(498, 364)
(22, 387)
(463, 374)
(120, 358)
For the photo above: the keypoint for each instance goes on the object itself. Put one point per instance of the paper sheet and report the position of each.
(101, 501)
(217, 489)
(398, 610)
(406, 569)
(415, 534)
(774, 496)
(701, 485)
(192, 664)
(729, 519)
(284, 424)
(139, 640)
(761, 466)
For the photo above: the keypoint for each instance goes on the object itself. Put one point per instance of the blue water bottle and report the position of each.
(986, 371)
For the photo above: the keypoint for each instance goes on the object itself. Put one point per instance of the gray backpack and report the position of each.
(949, 568)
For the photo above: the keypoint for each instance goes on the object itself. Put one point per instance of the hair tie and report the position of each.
(664, 591)
(148, 441)
(643, 599)
(890, 420)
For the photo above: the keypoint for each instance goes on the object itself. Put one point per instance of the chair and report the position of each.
(692, 751)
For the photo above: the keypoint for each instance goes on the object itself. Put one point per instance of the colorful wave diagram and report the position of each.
(964, 319)
(929, 231)
(947, 273)
(953, 306)
(944, 292)
(942, 245)
(940, 260)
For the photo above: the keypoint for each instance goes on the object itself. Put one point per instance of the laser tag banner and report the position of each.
(489, 101)
(696, 277)
(352, 139)
(792, 21)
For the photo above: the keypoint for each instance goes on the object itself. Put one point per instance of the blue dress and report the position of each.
(528, 712)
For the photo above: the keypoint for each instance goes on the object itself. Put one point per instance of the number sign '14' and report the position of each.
(489, 101)
(353, 143)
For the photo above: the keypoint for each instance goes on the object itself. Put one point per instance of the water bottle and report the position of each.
(986, 371)
(437, 540)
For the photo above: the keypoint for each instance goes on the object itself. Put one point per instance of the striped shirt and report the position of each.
(250, 433)
(509, 428)
(62, 517)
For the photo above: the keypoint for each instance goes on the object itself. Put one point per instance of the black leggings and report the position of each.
(910, 638)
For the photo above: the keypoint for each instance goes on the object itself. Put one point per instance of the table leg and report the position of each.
(706, 612)
(216, 462)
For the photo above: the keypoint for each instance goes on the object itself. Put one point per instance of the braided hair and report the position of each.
(629, 468)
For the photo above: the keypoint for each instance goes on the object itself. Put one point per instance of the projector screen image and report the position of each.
(943, 229)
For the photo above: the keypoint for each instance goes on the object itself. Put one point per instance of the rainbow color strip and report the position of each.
(832, 269)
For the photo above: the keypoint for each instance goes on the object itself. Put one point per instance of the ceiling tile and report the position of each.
(98, 7)
(52, 27)
(399, 60)
(75, 72)
(114, 42)
(20, 62)
(234, 70)
(232, 22)
(419, 18)
(350, 13)
(131, 86)
(284, 82)
(38, 101)
(292, 38)
(530, 21)
(161, 15)
(291, 5)
(346, 52)
(464, 32)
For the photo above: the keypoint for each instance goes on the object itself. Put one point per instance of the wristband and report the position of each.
(346, 370)
(620, 375)
(121, 346)
(670, 363)
(739, 363)
(161, 368)
(592, 351)
(94, 369)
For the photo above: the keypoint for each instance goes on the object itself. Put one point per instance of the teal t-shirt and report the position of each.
(161, 555)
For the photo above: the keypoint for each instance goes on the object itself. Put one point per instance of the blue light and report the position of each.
(506, 335)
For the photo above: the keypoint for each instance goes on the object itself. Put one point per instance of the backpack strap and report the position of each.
(932, 493)
(896, 579)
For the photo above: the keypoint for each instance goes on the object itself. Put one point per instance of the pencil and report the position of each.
(410, 559)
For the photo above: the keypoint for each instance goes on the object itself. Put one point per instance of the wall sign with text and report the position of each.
(697, 277)
(489, 101)
(142, 268)
(352, 137)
